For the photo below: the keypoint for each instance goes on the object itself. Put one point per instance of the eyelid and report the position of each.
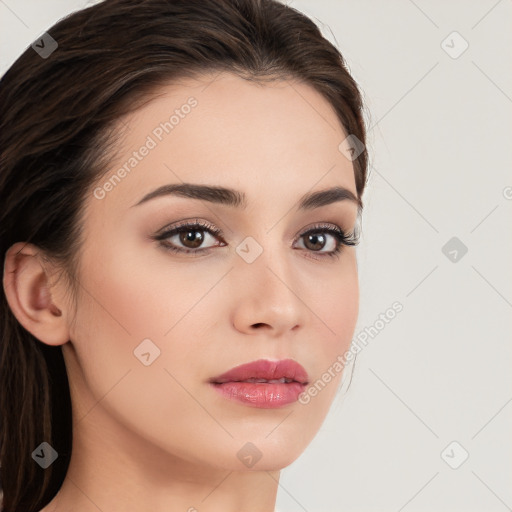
(196, 222)
(321, 225)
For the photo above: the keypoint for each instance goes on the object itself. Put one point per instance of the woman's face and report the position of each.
(154, 327)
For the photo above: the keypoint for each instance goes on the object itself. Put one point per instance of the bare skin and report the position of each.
(158, 437)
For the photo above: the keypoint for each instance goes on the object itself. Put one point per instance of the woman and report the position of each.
(181, 183)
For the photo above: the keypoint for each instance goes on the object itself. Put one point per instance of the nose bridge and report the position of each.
(269, 283)
(264, 261)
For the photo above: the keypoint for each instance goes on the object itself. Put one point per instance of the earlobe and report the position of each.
(27, 289)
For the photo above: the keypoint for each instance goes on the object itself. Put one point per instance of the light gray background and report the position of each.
(440, 137)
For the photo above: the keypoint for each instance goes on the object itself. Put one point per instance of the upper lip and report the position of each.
(265, 369)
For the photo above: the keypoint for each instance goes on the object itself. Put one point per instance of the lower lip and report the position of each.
(261, 394)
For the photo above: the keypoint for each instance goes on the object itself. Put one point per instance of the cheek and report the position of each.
(126, 301)
(139, 300)
(120, 306)
(337, 305)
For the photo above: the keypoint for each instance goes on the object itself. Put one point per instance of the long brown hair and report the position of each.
(57, 117)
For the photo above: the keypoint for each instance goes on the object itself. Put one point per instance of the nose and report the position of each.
(268, 295)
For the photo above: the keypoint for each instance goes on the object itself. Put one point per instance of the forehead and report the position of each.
(261, 138)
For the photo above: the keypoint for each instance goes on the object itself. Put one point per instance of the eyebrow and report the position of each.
(236, 199)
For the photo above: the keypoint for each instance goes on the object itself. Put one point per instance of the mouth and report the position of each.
(263, 383)
(264, 371)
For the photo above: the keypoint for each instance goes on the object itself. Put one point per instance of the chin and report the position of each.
(273, 453)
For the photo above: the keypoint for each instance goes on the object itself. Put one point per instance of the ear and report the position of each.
(28, 292)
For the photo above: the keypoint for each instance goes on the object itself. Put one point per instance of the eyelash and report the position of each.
(350, 239)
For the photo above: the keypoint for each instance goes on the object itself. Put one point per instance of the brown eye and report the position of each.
(315, 242)
(326, 240)
(191, 239)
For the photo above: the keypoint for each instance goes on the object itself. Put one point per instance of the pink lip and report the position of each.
(234, 383)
